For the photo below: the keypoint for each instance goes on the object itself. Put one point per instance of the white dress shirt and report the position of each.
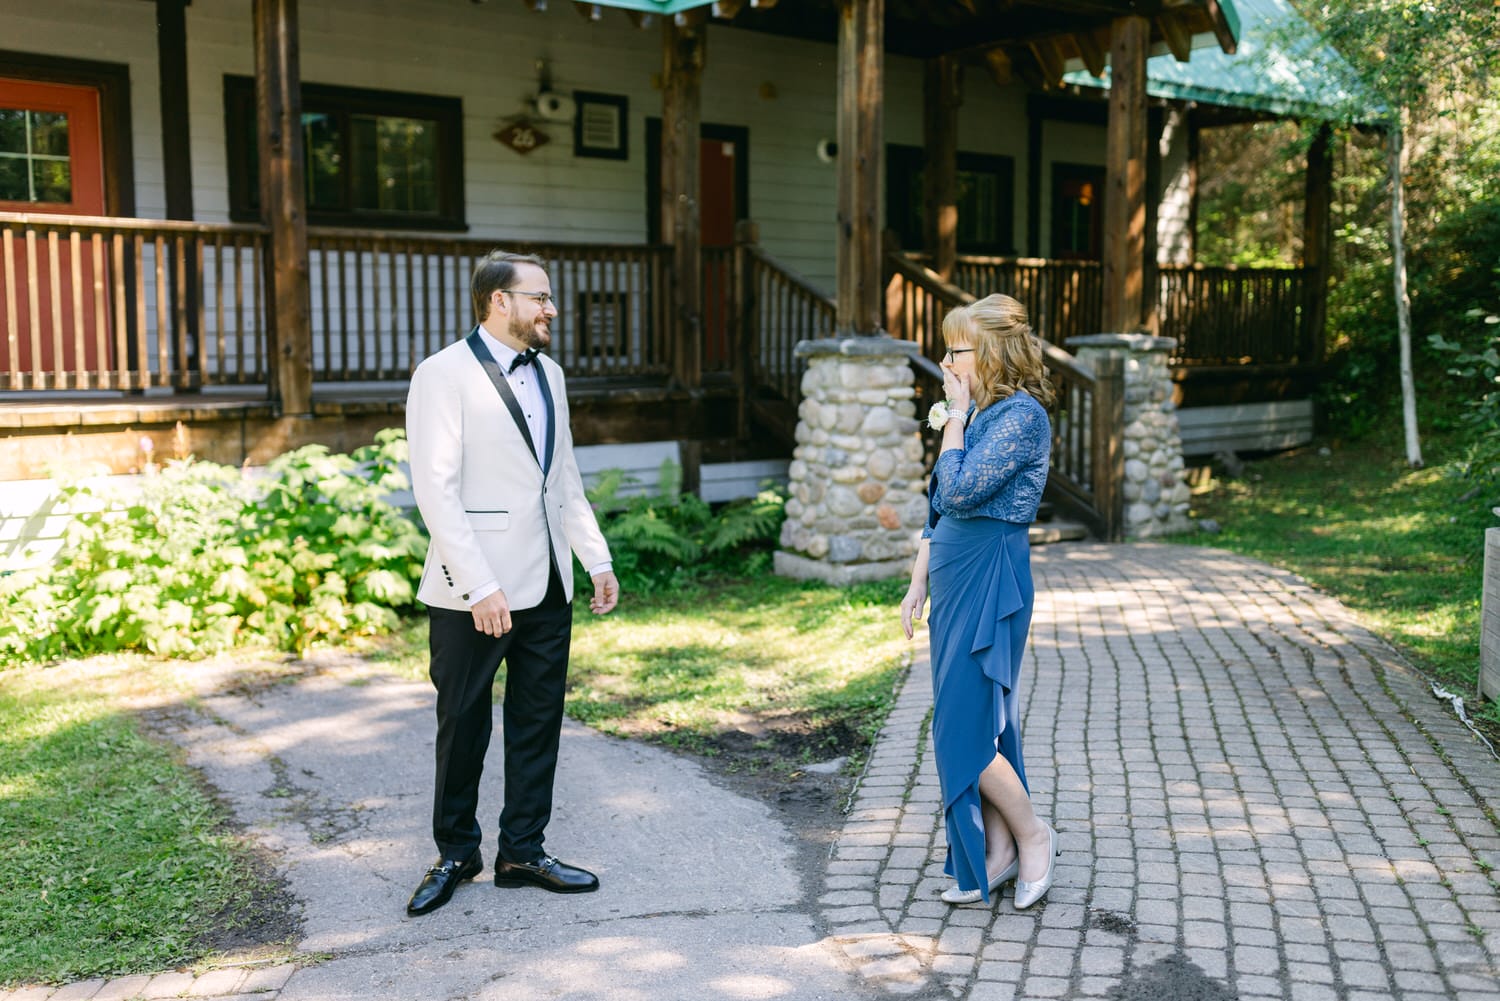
(528, 389)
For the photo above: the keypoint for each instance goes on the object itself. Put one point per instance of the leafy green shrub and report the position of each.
(662, 539)
(207, 557)
(1481, 419)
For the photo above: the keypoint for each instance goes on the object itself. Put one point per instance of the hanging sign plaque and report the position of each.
(522, 136)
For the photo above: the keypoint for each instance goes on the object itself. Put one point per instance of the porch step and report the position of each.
(1056, 530)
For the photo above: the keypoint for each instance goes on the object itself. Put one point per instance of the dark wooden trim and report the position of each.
(112, 80)
(739, 135)
(1082, 110)
(239, 105)
(176, 137)
(1125, 189)
(861, 85)
(1035, 123)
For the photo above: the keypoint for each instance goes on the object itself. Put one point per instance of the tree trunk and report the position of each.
(1403, 300)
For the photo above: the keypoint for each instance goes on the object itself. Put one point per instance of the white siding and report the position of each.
(781, 90)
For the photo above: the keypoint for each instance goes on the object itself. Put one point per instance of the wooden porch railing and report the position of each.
(381, 302)
(104, 303)
(1217, 316)
(1088, 420)
(780, 310)
(1236, 316)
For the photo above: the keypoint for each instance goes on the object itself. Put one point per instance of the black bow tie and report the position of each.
(524, 358)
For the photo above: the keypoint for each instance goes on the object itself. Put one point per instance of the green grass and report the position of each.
(803, 669)
(1402, 548)
(114, 859)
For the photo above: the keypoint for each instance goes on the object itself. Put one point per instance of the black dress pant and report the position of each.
(463, 668)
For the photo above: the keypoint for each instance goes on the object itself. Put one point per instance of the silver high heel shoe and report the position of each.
(953, 895)
(1029, 893)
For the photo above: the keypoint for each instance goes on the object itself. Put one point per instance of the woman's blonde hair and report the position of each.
(1007, 355)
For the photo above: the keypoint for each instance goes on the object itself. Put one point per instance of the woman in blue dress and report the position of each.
(975, 564)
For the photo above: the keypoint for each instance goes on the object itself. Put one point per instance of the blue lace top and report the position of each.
(1002, 468)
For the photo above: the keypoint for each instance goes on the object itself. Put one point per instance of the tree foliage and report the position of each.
(1437, 63)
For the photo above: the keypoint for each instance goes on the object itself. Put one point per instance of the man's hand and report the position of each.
(606, 593)
(492, 614)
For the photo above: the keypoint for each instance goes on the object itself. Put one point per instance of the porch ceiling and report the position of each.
(1038, 39)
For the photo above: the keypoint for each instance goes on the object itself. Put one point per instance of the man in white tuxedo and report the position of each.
(497, 484)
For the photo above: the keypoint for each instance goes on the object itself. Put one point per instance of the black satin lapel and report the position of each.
(492, 369)
(541, 379)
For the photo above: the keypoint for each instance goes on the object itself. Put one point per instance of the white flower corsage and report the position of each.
(940, 414)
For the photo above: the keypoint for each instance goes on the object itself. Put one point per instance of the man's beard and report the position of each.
(533, 334)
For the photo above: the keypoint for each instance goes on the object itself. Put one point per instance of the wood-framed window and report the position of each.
(1077, 211)
(375, 158)
(986, 199)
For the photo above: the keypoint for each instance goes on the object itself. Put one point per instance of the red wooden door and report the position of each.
(51, 162)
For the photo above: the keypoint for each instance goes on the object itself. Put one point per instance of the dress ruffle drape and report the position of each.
(979, 581)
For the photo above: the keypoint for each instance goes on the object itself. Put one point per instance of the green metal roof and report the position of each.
(654, 6)
(1281, 66)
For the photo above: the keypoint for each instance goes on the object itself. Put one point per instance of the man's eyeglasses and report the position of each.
(951, 352)
(544, 298)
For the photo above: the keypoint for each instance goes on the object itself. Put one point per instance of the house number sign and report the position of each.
(522, 136)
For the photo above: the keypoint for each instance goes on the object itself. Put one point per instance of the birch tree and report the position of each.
(1412, 57)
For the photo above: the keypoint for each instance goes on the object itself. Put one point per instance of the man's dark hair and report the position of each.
(495, 272)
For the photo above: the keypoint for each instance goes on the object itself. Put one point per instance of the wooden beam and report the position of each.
(762, 4)
(727, 9)
(941, 96)
(1093, 48)
(1177, 35)
(681, 126)
(1049, 60)
(1317, 238)
(861, 85)
(278, 105)
(284, 201)
(589, 11)
(1125, 180)
(998, 63)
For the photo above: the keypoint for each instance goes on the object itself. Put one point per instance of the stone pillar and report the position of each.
(858, 500)
(1156, 493)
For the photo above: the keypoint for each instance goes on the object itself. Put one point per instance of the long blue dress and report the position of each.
(983, 499)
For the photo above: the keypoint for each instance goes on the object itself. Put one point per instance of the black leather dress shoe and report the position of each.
(440, 882)
(548, 873)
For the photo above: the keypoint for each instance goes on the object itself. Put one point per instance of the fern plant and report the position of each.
(662, 539)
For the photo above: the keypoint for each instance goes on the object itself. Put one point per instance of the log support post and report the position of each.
(1124, 269)
(283, 202)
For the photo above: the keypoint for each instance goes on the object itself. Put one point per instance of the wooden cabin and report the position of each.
(233, 226)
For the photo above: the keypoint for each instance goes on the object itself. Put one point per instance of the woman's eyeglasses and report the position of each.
(951, 352)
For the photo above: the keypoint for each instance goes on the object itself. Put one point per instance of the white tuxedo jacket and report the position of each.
(490, 509)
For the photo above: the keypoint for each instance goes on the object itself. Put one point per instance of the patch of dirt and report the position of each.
(265, 921)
